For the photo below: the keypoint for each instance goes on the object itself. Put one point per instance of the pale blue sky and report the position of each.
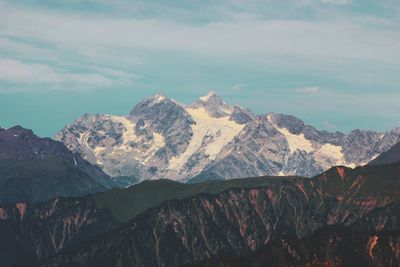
(333, 63)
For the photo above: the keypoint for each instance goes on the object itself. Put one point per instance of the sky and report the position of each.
(333, 63)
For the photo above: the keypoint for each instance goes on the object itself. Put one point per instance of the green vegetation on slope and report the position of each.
(359, 183)
(37, 180)
(126, 203)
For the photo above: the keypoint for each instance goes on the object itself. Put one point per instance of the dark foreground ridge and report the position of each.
(34, 169)
(246, 219)
(388, 157)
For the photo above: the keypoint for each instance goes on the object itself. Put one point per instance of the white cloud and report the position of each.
(104, 48)
(15, 70)
(307, 90)
(327, 38)
(18, 72)
(10, 46)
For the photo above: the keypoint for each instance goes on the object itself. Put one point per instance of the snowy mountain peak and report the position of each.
(153, 105)
(214, 105)
(210, 139)
(209, 95)
(155, 99)
(158, 98)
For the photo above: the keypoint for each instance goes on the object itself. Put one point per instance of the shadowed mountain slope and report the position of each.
(34, 169)
(390, 156)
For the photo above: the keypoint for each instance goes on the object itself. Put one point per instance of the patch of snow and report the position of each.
(326, 155)
(228, 110)
(329, 155)
(157, 143)
(158, 98)
(206, 97)
(351, 165)
(142, 153)
(83, 141)
(130, 136)
(220, 130)
(295, 141)
(97, 151)
(15, 135)
(374, 157)
(332, 150)
(365, 162)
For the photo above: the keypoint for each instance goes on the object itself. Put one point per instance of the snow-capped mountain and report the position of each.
(210, 139)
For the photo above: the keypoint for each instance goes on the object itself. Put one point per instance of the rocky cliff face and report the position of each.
(249, 154)
(32, 232)
(371, 241)
(282, 214)
(210, 139)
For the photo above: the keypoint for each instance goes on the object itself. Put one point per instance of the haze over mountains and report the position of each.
(212, 140)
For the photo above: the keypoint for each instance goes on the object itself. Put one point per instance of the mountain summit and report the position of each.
(211, 139)
(208, 96)
(214, 105)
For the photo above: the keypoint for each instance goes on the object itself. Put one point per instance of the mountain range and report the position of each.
(212, 140)
(64, 203)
